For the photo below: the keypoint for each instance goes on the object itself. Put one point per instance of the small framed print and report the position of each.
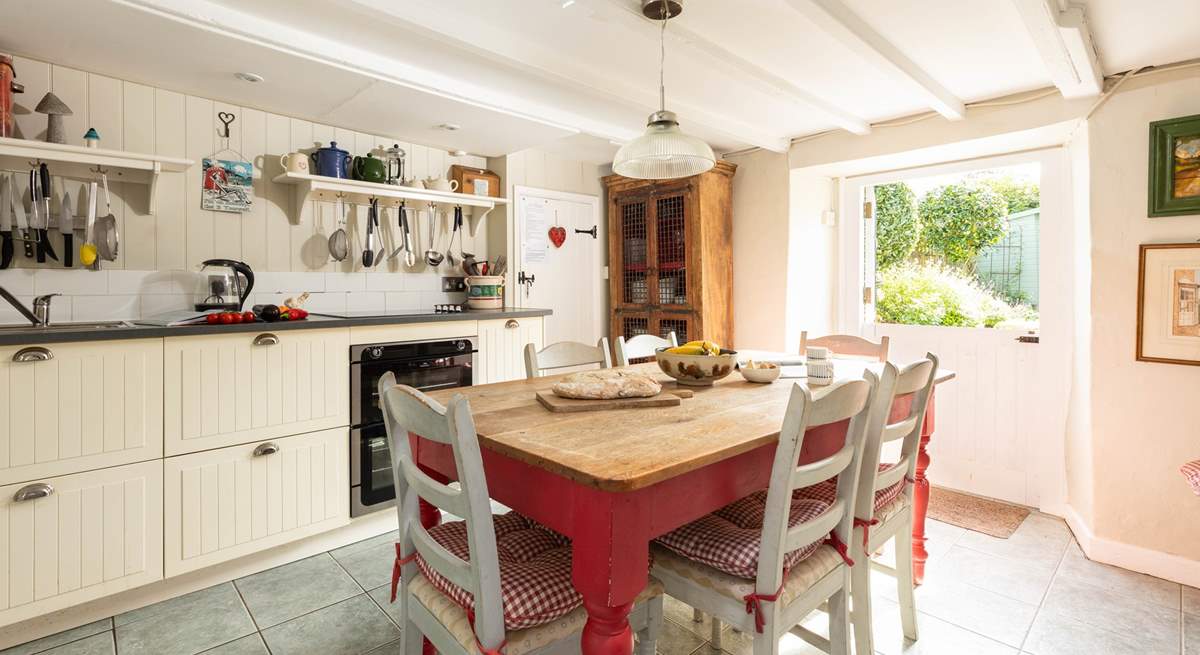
(1175, 167)
(1168, 325)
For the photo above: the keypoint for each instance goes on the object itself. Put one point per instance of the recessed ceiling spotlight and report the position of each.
(458, 153)
(567, 3)
(249, 77)
(449, 127)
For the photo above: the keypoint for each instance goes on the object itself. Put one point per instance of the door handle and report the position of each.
(33, 492)
(511, 323)
(266, 339)
(1028, 338)
(267, 448)
(591, 232)
(33, 354)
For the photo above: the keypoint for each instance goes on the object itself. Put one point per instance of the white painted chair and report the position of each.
(884, 506)
(642, 345)
(460, 604)
(565, 354)
(848, 345)
(746, 564)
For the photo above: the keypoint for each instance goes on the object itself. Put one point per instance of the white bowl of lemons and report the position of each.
(759, 372)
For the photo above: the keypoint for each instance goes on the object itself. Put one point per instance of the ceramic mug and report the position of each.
(440, 184)
(294, 162)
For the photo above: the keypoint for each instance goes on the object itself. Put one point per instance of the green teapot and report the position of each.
(369, 169)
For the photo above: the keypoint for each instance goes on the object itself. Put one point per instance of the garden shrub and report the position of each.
(931, 294)
(960, 220)
(897, 228)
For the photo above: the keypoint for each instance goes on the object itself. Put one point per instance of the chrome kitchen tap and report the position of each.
(40, 316)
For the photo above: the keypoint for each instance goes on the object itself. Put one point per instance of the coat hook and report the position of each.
(226, 118)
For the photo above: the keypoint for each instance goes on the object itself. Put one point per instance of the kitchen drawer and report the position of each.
(72, 407)
(231, 502)
(229, 389)
(501, 356)
(97, 533)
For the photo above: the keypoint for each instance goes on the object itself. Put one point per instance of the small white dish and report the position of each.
(761, 375)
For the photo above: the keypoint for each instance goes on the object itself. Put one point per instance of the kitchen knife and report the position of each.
(66, 226)
(35, 220)
(6, 216)
(44, 186)
(17, 202)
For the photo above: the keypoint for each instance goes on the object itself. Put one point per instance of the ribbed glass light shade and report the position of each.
(663, 152)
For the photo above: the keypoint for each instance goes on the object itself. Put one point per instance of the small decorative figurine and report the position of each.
(54, 109)
(92, 138)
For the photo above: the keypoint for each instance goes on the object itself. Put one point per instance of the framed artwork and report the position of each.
(1175, 166)
(228, 186)
(1168, 325)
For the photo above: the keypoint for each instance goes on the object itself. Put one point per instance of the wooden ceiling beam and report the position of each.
(840, 22)
(1063, 40)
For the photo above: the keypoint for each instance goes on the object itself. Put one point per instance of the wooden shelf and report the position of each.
(88, 163)
(328, 189)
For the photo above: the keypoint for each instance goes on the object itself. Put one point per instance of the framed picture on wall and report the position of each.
(1175, 166)
(1168, 325)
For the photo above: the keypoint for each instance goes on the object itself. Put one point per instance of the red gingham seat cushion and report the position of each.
(535, 570)
(729, 539)
(827, 491)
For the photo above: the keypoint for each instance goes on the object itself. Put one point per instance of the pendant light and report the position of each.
(663, 151)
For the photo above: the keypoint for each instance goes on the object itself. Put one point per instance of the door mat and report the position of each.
(991, 517)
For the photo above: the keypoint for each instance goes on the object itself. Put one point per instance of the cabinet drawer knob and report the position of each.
(33, 354)
(266, 339)
(267, 448)
(33, 492)
(511, 323)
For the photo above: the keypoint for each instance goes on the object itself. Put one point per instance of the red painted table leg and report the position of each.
(921, 496)
(610, 563)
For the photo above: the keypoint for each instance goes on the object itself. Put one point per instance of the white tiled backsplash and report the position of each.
(118, 295)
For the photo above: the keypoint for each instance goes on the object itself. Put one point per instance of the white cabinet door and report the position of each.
(230, 502)
(96, 534)
(72, 407)
(229, 389)
(501, 355)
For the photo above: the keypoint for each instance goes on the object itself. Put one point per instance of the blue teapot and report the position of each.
(331, 161)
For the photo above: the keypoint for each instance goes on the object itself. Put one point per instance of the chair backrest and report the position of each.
(406, 411)
(643, 345)
(565, 354)
(915, 379)
(846, 399)
(848, 345)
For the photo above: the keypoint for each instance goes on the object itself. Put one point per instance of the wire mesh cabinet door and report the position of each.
(673, 241)
(683, 324)
(630, 265)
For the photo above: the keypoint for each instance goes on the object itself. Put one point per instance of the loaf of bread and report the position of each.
(606, 384)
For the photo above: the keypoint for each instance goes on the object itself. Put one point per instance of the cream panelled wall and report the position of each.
(270, 237)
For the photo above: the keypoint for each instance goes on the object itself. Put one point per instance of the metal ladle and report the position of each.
(432, 257)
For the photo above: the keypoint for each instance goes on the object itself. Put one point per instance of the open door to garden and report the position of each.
(960, 260)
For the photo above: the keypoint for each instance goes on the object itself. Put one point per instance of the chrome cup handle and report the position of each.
(33, 492)
(266, 339)
(267, 448)
(33, 354)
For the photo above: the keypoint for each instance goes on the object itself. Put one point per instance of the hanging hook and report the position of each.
(227, 118)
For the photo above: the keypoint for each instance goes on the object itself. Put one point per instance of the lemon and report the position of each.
(686, 350)
(87, 254)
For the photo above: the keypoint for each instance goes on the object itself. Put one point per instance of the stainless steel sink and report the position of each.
(66, 326)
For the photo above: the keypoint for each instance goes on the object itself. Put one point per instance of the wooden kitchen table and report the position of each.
(614, 480)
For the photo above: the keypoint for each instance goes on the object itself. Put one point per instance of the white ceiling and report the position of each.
(523, 73)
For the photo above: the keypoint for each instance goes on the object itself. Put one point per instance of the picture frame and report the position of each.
(1168, 320)
(1175, 167)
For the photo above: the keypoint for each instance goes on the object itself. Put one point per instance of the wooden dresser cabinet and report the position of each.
(670, 256)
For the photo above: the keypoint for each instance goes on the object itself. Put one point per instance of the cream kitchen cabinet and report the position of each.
(72, 407)
(225, 503)
(223, 390)
(502, 343)
(79, 537)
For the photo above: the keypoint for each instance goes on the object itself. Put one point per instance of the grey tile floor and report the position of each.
(1034, 593)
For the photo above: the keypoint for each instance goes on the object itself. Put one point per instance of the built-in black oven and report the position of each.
(423, 365)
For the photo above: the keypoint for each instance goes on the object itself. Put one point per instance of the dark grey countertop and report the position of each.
(33, 336)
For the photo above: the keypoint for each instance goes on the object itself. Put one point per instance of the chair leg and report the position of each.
(904, 581)
(715, 638)
(839, 619)
(860, 603)
(647, 637)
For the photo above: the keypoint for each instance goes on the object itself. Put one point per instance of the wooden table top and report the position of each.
(629, 449)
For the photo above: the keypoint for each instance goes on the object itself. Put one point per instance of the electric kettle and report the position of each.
(224, 285)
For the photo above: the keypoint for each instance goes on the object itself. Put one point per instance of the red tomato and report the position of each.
(226, 318)
(248, 317)
(212, 319)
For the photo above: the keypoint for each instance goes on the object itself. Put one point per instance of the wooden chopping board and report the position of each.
(667, 398)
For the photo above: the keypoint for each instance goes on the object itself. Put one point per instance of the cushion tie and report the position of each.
(866, 526)
(754, 605)
(397, 566)
(840, 547)
(498, 650)
(910, 480)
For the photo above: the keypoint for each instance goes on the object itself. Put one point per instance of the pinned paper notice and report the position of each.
(535, 232)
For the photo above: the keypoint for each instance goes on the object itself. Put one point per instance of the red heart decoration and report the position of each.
(558, 234)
